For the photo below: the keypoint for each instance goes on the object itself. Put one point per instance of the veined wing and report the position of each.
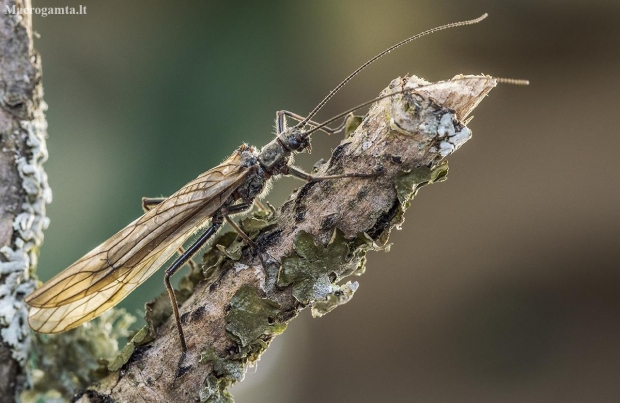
(105, 276)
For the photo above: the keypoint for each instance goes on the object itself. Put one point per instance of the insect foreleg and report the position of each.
(298, 173)
(281, 122)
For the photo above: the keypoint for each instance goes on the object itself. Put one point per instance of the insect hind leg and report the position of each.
(178, 263)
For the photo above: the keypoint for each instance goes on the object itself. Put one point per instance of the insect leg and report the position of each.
(237, 209)
(249, 241)
(216, 223)
(259, 205)
(298, 173)
(239, 231)
(281, 122)
(149, 203)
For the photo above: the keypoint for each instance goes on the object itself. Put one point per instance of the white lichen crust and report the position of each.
(18, 261)
(462, 93)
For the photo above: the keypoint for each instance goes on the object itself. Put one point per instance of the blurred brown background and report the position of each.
(503, 284)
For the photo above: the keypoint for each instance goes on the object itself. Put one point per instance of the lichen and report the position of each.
(407, 185)
(410, 182)
(340, 295)
(453, 133)
(20, 259)
(214, 391)
(222, 366)
(224, 246)
(62, 363)
(314, 268)
(228, 247)
(226, 371)
(251, 322)
(250, 317)
(352, 122)
(157, 311)
(258, 221)
(143, 336)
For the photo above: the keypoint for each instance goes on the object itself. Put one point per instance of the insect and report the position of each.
(107, 274)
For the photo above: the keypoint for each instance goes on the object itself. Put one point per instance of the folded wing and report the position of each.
(108, 273)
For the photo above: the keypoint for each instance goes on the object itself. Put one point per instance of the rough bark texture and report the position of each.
(320, 237)
(23, 188)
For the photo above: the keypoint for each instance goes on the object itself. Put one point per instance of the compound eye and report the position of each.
(295, 143)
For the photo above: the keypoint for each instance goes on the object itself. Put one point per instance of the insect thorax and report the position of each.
(273, 157)
(254, 181)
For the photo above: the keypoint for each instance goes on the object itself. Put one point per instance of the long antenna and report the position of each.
(388, 50)
(499, 80)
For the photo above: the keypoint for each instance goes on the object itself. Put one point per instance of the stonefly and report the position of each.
(107, 274)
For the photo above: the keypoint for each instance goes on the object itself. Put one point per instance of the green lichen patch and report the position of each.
(408, 183)
(314, 268)
(360, 245)
(250, 317)
(232, 252)
(226, 371)
(223, 367)
(227, 244)
(351, 124)
(215, 391)
(61, 363)
(340, 295)
(142, 337)
(259, 220)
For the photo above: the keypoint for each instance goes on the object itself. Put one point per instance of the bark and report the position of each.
(320, 236)
(23, 188)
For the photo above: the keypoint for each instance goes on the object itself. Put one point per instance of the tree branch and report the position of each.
(23, 188)
(320, 236)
